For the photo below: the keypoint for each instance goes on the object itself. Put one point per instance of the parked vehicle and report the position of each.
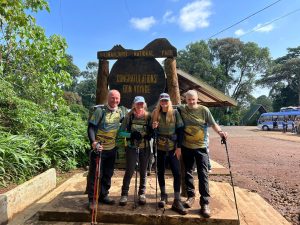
(297, 124)
(276, 120)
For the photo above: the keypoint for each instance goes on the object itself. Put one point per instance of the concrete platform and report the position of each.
(71, 206)
(22, 196)
(68, 205)
(218, 169)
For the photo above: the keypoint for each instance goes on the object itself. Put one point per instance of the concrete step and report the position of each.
(253, 209)
(73, 223)
(68, 205)
(71, 206)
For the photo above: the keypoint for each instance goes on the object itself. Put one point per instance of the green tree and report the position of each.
(240, 63)
(286, 96)
(86, 88)
(228, 64)
(29, 59)
(74, 72)
(196, 60)
(285, 73)
(266, 102)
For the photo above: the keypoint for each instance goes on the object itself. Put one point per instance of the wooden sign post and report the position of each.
(136, 72)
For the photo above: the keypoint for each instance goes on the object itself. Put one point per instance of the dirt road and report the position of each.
(265, 162)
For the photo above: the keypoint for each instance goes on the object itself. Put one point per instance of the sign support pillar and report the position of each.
(172, 80)
(173, 90)
(102, 82)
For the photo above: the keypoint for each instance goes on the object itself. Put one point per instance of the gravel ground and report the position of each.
(265, 162)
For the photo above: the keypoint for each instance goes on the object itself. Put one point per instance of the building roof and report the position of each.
(252, 111)
(208, 95)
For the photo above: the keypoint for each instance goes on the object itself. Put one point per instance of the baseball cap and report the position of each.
(164, 96)
(138, 99)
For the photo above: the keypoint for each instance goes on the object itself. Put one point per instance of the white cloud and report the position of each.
(239, 32)
(168, 17)
(195, 15)
(143, 23)
(263, 28)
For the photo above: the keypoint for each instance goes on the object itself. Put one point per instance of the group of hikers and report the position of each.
(180, 132)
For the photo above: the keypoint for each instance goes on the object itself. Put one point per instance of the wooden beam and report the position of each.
(172, 80)
(102, 85)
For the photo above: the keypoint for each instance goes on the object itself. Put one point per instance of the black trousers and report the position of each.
(189, 156)
(131, 160)
(162, 157)
(108, 158)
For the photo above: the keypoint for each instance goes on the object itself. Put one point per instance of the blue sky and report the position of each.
(94, 25)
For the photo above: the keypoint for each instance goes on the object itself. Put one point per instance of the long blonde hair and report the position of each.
(170, 113)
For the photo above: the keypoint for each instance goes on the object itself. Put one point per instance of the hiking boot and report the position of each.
(189, 202)
(142, 199)
(123, 200)
(205, 211)
(107, 200)
(163, 201)
(177, 206)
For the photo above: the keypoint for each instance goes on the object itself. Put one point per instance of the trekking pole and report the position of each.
(136, 171)
(223, 141)
(155, 158)
(96, 184)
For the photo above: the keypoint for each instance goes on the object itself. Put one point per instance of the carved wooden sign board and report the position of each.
(137, 72)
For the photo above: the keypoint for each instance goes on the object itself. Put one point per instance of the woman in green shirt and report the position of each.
(135, 127)
(168, 126)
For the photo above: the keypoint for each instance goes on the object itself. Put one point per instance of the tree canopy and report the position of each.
(86, 88)
(37, 128)
(228, 64)
(30, 60)
(284, 75)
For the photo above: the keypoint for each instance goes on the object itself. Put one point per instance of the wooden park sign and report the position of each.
(136, 72)
(137, 76)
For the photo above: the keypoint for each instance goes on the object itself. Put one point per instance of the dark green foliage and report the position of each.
(284, 78)
(37, 129)
(72, 98)
(81, 110)
(287, 96)
(86, 88)
(34, 139)
(265, 101)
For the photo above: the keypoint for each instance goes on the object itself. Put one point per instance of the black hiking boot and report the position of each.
(205, 211)
(177, 206)
(163, 201)
(107, 200)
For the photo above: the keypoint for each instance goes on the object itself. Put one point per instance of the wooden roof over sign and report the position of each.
(208, 95)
